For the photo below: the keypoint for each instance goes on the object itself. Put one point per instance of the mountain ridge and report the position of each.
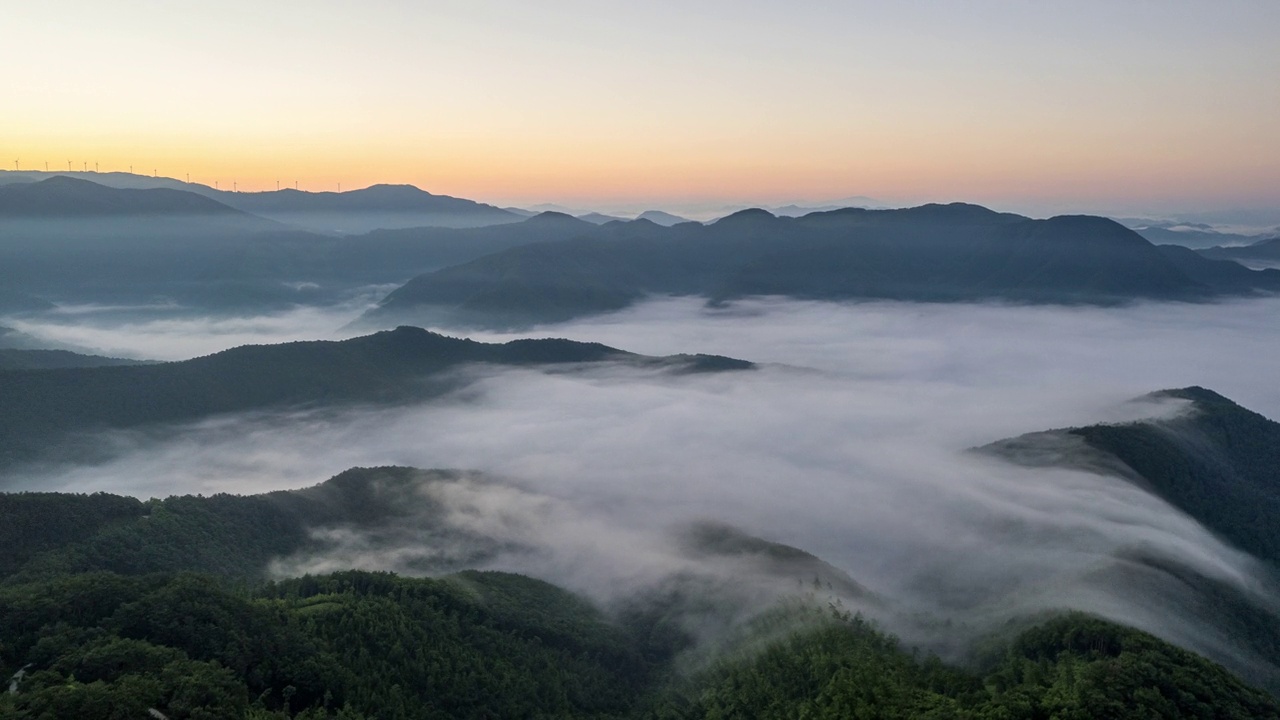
(46, 406)
(937, 253)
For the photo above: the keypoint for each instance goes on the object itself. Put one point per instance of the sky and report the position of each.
(1135, 107)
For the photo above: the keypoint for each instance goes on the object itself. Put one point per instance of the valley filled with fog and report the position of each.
(851, 440)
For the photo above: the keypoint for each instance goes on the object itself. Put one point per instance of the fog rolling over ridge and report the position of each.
(850, 443)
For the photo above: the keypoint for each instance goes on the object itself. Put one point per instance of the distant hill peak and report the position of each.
(553, 216)
(62, 196)
(660, 217)
(748, 215)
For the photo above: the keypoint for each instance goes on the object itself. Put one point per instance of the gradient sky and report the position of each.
(1108, 106)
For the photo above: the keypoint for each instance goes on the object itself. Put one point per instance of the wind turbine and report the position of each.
(68, 166)
(15, 165)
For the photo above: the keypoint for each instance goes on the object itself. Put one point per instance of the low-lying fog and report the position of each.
(848, 443)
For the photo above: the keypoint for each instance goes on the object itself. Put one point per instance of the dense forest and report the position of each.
(111, 607)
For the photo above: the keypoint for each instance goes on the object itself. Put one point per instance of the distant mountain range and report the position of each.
(1192, 235)
(64, 197)
(67, 239)
(44, 406)
(13, 359)
(1263, 251)
(73, 240)
(936, 253)
(350, 212)
(654, 216)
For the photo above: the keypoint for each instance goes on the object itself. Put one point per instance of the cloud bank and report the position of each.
(851, 443)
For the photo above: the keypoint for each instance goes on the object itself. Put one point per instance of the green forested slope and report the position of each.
(101, 616)
(1219, 463)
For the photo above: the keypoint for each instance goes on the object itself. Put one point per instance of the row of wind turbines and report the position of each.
(17, 166)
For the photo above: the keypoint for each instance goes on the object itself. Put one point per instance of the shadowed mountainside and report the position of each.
(935, 253)
(1267, 250)
(395, 366)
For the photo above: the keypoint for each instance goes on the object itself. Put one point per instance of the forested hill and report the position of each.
(1216, 461)
(230, 536)
(938, 253)
(99, 620)
(1219, 463)
(386, 367)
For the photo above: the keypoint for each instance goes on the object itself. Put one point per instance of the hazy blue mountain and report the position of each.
(665, 219)
(1219, 271)
(12, 359)
(120, 180)
(349, 212)
(371, 208)
(940, 253)
(1196, 235)
(65, 198)
(44, 406)
(802, 209)
(596, 218)
(1265, 251)
(153, 247)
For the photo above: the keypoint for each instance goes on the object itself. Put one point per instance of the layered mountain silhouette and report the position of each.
(661, 217)
(374, 207)
(349, 212)
(397, 366)
(72, 240)
(1267, 250)
(15, 359)
(935, 253)
(62, 197)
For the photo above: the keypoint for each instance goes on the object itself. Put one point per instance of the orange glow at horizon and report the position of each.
(507, 103)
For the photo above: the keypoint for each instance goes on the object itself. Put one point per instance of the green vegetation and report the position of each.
(1071, 667)
(1217, 463)
(111, 607)
(230, 536)
(480, 645)
(349, 645)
